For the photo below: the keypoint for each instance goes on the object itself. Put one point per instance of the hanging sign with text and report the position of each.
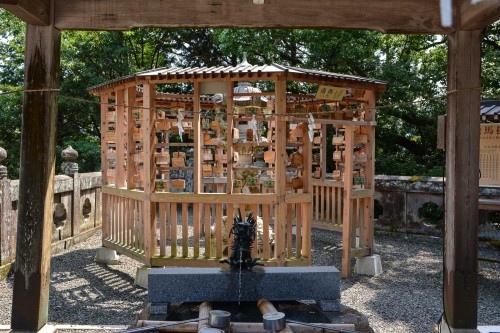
(489, 155)
(330, 93)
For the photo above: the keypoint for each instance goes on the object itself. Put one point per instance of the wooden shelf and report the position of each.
(161, 166)
(174, 144)
(251, 144)
(254, 168)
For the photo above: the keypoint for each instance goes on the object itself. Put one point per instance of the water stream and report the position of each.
(239, 278)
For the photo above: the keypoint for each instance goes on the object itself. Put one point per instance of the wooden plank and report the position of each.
(129, 109)
(163, 227)
(489, 204)
(298, 229)
(462, 181)
(218, 231)
(104, 146)
(289, 236)
(229, 136)
(348, 209)
(230, 219)
(119, 192)
(404, 16)
(255, 212)
(266, 249)
(368, 228)
(168, 228)
(298, 197)
(36, 182)
(478, 15)
(214, 198)
(36, 12)
(120, 137)
(128, 251)
(316, 206)
(327, 204)
(322, 204)
(280, 171)
(173, 230)
(362, 193)
(197, 140)
(207, 224)
(149, 208)
(357, 252)
(196, 229)
(185, 230)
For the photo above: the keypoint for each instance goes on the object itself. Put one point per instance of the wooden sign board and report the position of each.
(489, 155)
(330, 93)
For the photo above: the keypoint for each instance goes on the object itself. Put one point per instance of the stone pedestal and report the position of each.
(141, 276)
(370, 265)
(445, 328)
(106, 256)
(319, 283)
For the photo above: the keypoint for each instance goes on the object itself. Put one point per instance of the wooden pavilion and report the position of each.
(147, 132)
(463, 23)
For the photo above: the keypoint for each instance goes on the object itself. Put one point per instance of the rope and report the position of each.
(210, 112)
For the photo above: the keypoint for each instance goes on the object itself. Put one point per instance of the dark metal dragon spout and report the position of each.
(243, 233)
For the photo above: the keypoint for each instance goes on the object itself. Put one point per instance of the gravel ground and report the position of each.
(407, 297)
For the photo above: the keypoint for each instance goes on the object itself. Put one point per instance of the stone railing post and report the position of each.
(7, 228)
(70, 168)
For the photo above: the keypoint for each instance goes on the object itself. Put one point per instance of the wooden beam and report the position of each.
(479, 15)
(36, 12)
(36, 184)
(408, 16)
(462, 179)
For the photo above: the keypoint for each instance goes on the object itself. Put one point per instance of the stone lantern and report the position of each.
(69, 167)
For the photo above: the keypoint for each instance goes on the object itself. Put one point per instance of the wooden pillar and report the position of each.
(36, 184)
(106, 228)
(130, 104)
(120, 138)
(280, 168)
(148, 135)
(462, 180)
(368, 228)
(348, 229)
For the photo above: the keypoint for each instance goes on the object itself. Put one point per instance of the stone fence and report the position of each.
(76, 210)
(416, 205)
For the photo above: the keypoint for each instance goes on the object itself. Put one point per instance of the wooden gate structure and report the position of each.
(154, 141)
(463, 20)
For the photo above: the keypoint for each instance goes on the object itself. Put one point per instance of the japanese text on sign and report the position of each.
(330, 93)
(489, 154)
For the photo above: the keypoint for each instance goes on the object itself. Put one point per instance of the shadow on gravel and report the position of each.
(84, 293)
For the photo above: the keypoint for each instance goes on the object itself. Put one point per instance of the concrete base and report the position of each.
(170, 285)
(444, 328)
(330, 306)
(370, 265)
(106, 256)
(488, 329)
(141, 276)
(45, 329)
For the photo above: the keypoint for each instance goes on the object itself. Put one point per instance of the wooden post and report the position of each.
(149, 212)
(280, 169)
(368, 229)
(130, 104)
(36, 184)
(347, 229)
(106, 227)
(120, 138)
(462, 180)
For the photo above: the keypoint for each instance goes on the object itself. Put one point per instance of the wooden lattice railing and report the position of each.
(193, 229)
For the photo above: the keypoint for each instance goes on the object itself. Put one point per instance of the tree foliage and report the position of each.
(414, 67)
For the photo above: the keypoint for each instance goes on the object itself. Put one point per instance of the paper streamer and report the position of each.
(311, 127)
(180, 118)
